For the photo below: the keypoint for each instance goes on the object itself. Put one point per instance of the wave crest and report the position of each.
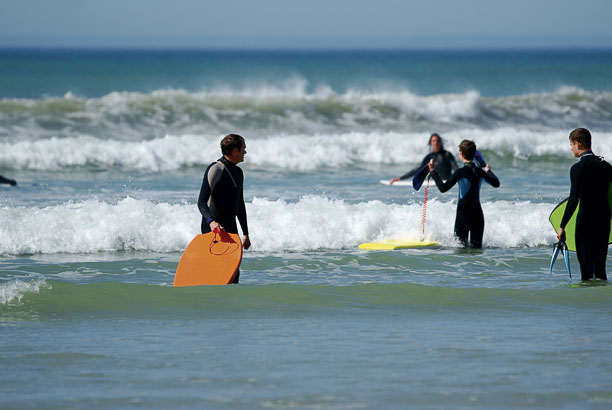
(281, 152)
(290, 108)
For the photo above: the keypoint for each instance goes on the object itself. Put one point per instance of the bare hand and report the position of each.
(561, 234)
(246, 242)
(393, 180)
(214, 225)
(431, 165)
(487, 168)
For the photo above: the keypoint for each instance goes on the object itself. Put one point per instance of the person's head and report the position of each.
(467, 149)
(580, 141)
(435, 142)
(233, 147)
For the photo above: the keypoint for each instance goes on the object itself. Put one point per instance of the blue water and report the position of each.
(32, 74)
(109, 148)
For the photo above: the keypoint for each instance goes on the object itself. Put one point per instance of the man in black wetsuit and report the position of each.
(590, 180)
(469, 219)
(221, 197)
(445, 162)
(10, 182)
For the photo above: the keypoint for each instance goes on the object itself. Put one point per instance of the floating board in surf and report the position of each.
(210, 259)
(398, 183)
(393, 244)
(570, 230)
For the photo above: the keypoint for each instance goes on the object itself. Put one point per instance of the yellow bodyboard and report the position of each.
(392, 244)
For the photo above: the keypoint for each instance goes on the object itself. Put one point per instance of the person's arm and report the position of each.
(572, 202)
(10, 182)
(242, 217)
(452, 162)
(443, 186)
(211, 177)
(413, 171)
(490, 177)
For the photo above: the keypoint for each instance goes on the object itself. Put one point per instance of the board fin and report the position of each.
(419, 177)
(479, 159)
(562, 248)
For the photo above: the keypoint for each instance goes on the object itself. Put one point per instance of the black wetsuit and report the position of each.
(470, 219)
(221, 198)
(11, 182)
(444, 161)
(590, 179)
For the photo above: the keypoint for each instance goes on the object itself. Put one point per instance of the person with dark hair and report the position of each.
(221, 197)
(10, 182)
(590, 180)
(470, 219)
(445, 161)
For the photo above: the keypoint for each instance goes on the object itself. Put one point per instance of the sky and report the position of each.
(298, 24)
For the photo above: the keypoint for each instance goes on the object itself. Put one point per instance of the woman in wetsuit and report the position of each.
(445, 161)
(469, 219)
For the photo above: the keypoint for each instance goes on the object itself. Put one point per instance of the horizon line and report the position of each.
(299, 48)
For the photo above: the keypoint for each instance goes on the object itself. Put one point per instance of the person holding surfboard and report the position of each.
(221, 198)
(445, 161)
(469, 219)
(590, 180)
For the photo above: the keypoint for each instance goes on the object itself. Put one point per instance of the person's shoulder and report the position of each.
(463, 170)
(605, 163)
(577, 166)
(605, 167)
(216, 166)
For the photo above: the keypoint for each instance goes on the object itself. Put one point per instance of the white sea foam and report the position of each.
(526, 144)
(295, 152)
(165, 153)
(16, 289)
(313, 222)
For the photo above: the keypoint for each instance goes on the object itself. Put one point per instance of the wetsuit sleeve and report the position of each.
(445, 186)
(7, 181)
(491, 178)
(452, 162)
(413, 171)
(242, 215)
(572, 201)
(211, 177)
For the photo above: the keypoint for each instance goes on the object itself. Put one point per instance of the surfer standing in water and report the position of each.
(445, 161)
(590, 179)
(221, 197)
(469, 219)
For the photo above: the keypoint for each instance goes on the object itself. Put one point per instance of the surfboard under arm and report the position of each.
(570, 229)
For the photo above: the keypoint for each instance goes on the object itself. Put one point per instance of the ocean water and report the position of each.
(109, 149)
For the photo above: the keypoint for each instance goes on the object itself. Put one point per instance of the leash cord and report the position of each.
(425, 205)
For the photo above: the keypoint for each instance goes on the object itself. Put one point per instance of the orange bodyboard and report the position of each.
(210, 259)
